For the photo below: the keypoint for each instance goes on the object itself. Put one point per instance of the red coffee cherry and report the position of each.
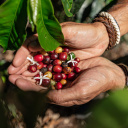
(63, 56)
(37, 76)
(57, 62)
(77, 69)
(46, 59)
(64, 76)
(50, 52)
(77, 59)
(57, 68)
(40, 65)
(32, 68)
(38, 57)
(57, 77)
(65, 49)
(54, 56)
(45, 82)
(50, 67)
(71, 76)
(58, 85)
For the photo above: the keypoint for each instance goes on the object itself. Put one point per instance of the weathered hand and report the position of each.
(98, 75)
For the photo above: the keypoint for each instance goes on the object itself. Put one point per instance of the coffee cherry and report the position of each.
(32, 68)
(45, 82)
(73, 64)
(40, 65)
(54, 56)
(77, 59)
(53, 82)
(71, 76)
(37, 76)
(57, 77)
(48, 74)
(57, 68)
(49, 67)
(58, 85)
(38, 57)
(72, 69)
(77, 69)
(63, 56)
(65, 49)
(57, 62)
(43, 52)
(50, 52)
(64, 76)
(63, 81)
(64, 64)
(46, 59)
(58, 50)
(69, 56)
(66, 70)
(45, 65)
(44, 69)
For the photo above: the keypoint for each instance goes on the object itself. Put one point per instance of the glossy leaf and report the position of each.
(13, 19)
(48, 28)
(67, 4)
(32, 12)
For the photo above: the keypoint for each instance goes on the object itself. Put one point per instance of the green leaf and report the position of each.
(13, 19)
(67, 4)
(49, 30)
(32, 12)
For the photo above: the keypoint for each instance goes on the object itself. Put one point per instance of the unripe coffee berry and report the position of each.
(63, 81)
(43, 70)
(64, 64)
(66, 70)
(58, 50)
(48, 74)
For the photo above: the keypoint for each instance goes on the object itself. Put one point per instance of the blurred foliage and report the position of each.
(112, 112)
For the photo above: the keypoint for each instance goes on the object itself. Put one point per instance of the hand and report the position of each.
(98, 75)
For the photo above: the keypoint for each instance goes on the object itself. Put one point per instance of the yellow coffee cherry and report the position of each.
(63, 82)
(58, 50)
(48, 74)
(43, 52)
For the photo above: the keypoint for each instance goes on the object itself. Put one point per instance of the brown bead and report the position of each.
(66, 70)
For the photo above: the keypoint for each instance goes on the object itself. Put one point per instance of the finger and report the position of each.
(13, 70)
(64, 95)
(13, 78)
(27, 73)
(23, 52)
(27, 85)
(34, 47)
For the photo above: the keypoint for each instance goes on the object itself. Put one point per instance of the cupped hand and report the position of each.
(98, 75)
(85, 40)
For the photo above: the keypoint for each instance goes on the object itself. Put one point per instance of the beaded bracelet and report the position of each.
(111, 26)
(125, 70)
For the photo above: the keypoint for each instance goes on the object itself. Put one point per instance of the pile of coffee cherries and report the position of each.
(56, 67)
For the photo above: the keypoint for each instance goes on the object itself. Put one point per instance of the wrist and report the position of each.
(102, 35)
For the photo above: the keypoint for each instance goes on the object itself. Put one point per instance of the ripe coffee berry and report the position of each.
(46, 60)
(63, 56)
(71, 76)
(57, 76)
(38, 57)
(58, 85)
(50, 67)
(40, 66)
(57, 68)
(32, 68)
(66, 49)
(77, 69)
(77, 59)
(57, 62)
(64, 76)
(54, 56)
(45, 82)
